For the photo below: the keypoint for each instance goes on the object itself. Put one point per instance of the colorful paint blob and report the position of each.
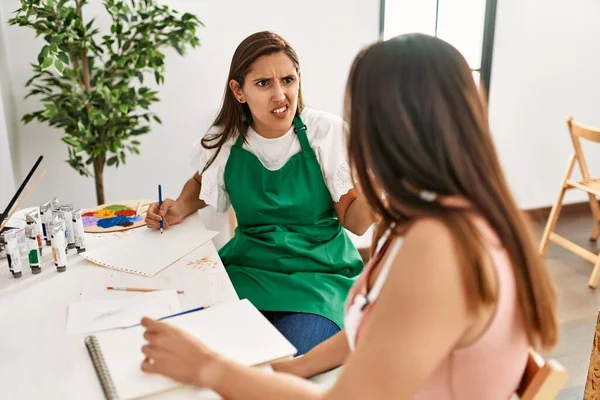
(111, 216)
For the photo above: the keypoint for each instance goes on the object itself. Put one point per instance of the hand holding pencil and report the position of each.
(163, 214)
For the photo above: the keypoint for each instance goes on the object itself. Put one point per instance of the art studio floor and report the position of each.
(578, 305)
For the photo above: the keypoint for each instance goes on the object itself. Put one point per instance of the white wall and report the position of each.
(546, 67)
(7, 124)
(326, 35)
(7, 183)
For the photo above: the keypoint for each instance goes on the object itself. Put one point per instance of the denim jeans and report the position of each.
(303, 330)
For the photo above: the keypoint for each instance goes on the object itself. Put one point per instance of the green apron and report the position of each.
(289, 252)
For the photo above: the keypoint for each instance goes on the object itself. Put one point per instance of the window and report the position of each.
(467, 24)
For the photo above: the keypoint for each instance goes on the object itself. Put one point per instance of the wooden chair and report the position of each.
(587, 184)
(592, 384)
(542, 380)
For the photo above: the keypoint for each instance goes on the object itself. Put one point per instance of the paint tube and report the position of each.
(46, 216)
(34, 254)
(13, 253)
(60, 216)
(59, 244)
(34, 219)
(68, 210)
(78, 231)
(54, 204)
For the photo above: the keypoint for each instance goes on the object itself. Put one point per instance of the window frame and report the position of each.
(489, 28)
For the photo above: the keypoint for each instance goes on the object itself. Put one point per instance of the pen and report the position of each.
(159, 206)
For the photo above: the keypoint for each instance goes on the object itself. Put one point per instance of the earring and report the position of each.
(427, 195)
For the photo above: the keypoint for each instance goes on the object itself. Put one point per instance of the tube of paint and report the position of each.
(59, 244)
(68, 210)
(78, 231)
(46, 216)
(33, 219)
(13, 253)
(34, 254)
(54, 204)
(60, 216)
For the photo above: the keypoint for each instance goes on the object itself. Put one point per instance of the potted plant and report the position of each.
(92, 84)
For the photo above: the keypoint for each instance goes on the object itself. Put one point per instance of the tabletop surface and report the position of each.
(37, 357)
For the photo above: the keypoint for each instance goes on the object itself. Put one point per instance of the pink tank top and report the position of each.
(491, 368)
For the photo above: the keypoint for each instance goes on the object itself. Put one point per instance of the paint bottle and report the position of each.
(67, 209)
(34, 219)
(13, 253)
(46, 216)
(59, 244)
(78, 231)
(34, 254)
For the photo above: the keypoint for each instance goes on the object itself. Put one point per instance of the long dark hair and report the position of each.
(233, 115)
(417, 120)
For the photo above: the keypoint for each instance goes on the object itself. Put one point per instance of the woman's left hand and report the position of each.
(174, 353)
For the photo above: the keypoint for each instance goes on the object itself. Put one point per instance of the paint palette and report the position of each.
(115, 217)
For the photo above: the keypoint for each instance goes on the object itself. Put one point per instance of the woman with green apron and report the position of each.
(282, 168)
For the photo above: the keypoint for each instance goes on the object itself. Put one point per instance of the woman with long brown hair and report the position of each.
(282, 168)
(455, 293)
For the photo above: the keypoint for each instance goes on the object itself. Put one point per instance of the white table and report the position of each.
(38, 360)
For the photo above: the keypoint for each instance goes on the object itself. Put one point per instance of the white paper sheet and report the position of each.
(99, 315)
(146, 252)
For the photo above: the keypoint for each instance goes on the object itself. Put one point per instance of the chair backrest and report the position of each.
(542, 380)
(579, 131)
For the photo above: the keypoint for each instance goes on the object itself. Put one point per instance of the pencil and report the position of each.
(159, 206)
(132, 289)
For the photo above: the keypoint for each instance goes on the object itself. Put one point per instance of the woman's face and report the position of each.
(271, 91)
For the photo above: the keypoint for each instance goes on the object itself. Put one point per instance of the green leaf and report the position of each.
(70, 141)
(51, 110)
(124, 108)
(54, 48)
(114, 146)
(155, 117)
(45, 51)
(60, 67)
(112, 160)
(47, 63)
(62, 56)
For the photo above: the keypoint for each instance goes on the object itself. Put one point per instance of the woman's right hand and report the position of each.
(171, 212)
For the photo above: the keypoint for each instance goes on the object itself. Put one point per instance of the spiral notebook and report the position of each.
(146, 252)
(236, 330)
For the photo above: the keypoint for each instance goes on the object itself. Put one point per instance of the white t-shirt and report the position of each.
(325, 135)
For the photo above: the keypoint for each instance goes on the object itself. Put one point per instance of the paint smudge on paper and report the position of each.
(202, 263)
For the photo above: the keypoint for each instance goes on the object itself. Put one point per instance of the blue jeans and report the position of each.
(303, 330)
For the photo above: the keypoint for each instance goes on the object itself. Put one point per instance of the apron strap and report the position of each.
(300, 130)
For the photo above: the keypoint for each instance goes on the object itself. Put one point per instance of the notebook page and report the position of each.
(99, 315)
(236, 330)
